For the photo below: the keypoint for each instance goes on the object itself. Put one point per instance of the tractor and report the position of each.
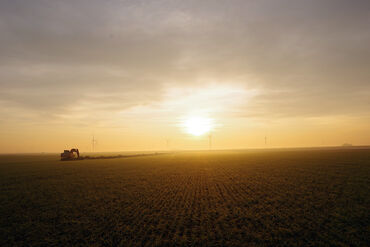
(72, 154)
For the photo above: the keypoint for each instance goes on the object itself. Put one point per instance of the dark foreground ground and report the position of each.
(233, 198)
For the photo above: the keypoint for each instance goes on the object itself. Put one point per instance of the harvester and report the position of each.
(72, 154)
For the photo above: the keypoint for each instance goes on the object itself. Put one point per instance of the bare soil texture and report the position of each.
(219, 198)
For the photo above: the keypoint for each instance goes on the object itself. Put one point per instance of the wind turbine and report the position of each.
(210, 141)
(168, 144)
(93, 142)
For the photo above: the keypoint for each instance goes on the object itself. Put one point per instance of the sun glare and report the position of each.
(198, 125)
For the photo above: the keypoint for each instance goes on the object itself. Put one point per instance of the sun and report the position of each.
(198, 125)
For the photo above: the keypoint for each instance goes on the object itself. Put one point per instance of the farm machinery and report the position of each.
(72, 154)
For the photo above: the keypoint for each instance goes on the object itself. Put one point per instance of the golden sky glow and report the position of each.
(152, 75)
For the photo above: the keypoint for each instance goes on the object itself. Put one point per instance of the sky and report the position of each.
(151, 75)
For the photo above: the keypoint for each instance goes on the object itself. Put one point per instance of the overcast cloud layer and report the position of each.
(305, 58)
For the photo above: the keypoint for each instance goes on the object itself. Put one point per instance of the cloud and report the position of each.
(95, 58)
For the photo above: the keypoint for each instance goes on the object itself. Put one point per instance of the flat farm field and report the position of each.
(218, 198)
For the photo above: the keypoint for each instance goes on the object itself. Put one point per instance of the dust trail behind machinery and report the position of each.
(115, 156)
